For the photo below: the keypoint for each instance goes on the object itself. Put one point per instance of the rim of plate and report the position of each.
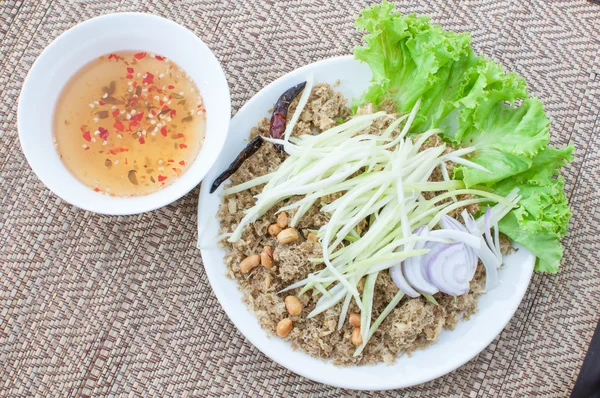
(280, 357)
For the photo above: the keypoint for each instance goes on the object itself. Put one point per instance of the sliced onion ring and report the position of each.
(412, 268)
(448, 269)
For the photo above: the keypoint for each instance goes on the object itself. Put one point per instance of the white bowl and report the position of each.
(100, 36)
(452, 350)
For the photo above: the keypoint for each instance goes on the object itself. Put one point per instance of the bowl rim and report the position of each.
(213, 272)
(144, 203)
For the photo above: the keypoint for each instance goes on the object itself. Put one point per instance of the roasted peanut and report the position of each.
(282, 220)
(288, 235)
(293, 305)
(284, 327)
(356, 337)
(312, 238)
(274, 230)
(266, 257)
(268, 279)
(354, 319)
(249, 263)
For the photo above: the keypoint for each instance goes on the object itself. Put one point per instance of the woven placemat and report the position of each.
(93, 305)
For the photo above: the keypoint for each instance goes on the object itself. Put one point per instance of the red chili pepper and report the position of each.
(129, 76)
(149, 79)
(161, 178)
(116, 112)
(163, 131)
(170, 160)
(96, 189)
(158, 57)
(83, 128)
(129, 70)
(133, 125)
(173, 113)
(103, 133)
(119, 150)
(182, 146)
(87, 136)
(115, 56)
(137, 117)
(139, 55)
(182, 163)
(87, 148)
(174, 169)
(142, 140)
(119, 126)
(101, 103)
(180, 135)
(171, 87)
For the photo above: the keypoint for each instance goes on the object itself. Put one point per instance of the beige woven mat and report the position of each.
(95, 305)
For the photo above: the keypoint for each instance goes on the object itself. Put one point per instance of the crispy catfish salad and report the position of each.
(358, 233)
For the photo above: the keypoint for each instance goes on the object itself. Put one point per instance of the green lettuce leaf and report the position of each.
(542, 217)
(407, 55)
(475, 103)
(506, 139)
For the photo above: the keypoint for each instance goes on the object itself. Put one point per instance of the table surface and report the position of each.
(97, 305)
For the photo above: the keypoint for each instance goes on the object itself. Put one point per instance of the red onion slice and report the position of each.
(451, 223)
(448, 269)
(488, 234)
(401, 283)
(412, 268)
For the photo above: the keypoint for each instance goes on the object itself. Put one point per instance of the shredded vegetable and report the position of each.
(379, 178)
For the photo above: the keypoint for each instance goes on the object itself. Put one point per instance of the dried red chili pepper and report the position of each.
(118, 150)
(182, 146)
(161, 178)
(163, 131)
(149, 79)
(119, 126)
(137, 117)
(158, 57)
(139, 55)
(280, 110)
(87, 136)
(248, 151)
(103, 133)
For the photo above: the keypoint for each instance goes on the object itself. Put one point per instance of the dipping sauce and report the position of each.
(129, 123)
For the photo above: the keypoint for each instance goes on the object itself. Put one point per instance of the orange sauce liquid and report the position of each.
(129, 124)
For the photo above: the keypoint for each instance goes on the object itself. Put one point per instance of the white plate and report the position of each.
(453, 349)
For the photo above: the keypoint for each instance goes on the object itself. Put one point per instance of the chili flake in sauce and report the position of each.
(126, 113)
